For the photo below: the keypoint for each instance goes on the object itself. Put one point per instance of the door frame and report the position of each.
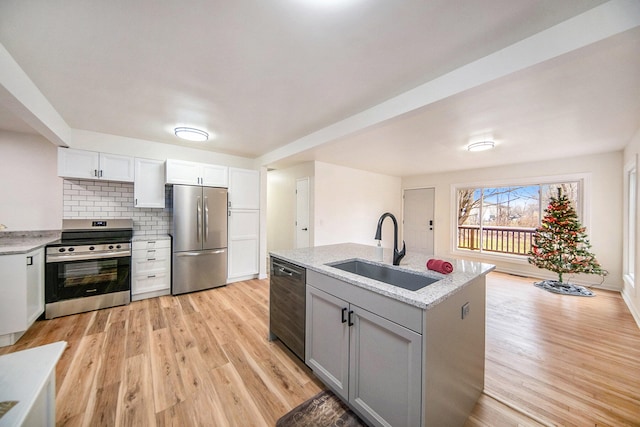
(295, 224)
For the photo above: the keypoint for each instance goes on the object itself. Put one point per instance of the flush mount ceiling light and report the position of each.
(191, 134)
(481, 146)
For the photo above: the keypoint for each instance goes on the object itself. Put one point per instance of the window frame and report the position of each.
(583, 210)
(630, 218)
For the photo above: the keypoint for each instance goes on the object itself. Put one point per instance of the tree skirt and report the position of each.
(564, 288)
(323, 410)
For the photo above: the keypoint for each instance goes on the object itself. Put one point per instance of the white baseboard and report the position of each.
(632, 309)
(542, 275)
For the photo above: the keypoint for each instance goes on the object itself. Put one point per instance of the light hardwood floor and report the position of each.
(203, 359)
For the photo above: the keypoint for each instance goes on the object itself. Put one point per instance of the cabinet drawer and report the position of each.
(142, 266)
(150, 283)
(151, 244)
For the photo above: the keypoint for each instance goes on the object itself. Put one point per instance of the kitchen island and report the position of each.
(395, 356)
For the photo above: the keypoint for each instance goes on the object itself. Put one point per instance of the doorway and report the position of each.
(418, 221)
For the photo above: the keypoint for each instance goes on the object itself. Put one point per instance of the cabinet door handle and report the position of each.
(344, 311)
(151, 277)
(151, 259)
(350, 318)
(29, 260)
(95, 173)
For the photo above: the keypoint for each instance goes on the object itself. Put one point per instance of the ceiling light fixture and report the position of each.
(191, 134)
(481, 146)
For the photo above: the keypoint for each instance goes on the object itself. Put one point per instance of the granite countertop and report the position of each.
(448, 284)
(21, 242)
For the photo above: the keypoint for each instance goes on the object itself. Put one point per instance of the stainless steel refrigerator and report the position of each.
(199, 238)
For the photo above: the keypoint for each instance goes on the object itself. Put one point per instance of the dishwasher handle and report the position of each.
(281, 270)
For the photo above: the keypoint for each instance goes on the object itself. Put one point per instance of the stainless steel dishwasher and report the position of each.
(287, 304)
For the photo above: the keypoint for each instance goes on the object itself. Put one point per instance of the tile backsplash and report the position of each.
(108, 199)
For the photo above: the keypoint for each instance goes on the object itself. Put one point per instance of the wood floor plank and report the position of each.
(262, 388)
(207, 344)
(135, 398)
(112, 356)
(235, 400)
(75, 390)
(102, 406)
(167, 383)
(138, 331)
(203, 359)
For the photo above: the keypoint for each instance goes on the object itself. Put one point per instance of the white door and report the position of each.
(302, 213)
(418, 220)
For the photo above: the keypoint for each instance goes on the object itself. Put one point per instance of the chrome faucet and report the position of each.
(397, 255)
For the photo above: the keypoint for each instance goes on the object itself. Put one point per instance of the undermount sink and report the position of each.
(383, 273)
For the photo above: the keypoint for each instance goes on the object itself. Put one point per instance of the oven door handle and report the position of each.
(83, 257)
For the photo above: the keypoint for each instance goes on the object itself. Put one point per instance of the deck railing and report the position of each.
(506, 240)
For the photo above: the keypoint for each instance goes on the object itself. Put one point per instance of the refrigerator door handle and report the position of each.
(198, 218)
(199, 253)
(206, 218)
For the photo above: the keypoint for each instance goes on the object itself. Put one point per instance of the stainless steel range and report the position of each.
(89, 268)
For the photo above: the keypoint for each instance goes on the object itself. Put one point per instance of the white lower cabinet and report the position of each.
(244, 244)
(371, 362)
(22, 288)
(150, 268)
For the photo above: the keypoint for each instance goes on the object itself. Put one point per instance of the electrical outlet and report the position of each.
(465, 310)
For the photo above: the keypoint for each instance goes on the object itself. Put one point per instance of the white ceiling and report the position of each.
(261, 75)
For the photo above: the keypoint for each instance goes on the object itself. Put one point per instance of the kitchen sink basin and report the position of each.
(383, 273)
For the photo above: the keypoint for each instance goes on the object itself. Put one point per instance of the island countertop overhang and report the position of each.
(317, 258)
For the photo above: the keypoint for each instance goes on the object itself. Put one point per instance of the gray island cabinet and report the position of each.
(397, 357)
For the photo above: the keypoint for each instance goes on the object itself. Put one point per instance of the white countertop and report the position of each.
(317, 257)
(23, 375)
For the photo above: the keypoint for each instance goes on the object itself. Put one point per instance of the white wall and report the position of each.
(31, 192)
(630, 291)
(604, 225)
(281, 205)
(349, 202)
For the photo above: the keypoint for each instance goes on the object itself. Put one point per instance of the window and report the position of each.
(630, 223)
(502, 220)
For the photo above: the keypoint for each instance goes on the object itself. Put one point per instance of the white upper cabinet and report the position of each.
(214, 176)
(193, 173)
(84, 164)
(183, 172)
(148, 187)
(244, 189)
(78, 163)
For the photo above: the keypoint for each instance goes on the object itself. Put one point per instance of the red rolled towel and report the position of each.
(439, 265)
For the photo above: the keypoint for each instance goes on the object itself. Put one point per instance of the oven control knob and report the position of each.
(118, 246)
(91, 248)
(61, 250)
(71, 249)
(110, 246)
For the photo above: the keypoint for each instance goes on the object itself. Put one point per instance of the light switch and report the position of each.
(465, 310)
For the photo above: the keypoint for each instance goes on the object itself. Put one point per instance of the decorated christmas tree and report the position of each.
(560, 244)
